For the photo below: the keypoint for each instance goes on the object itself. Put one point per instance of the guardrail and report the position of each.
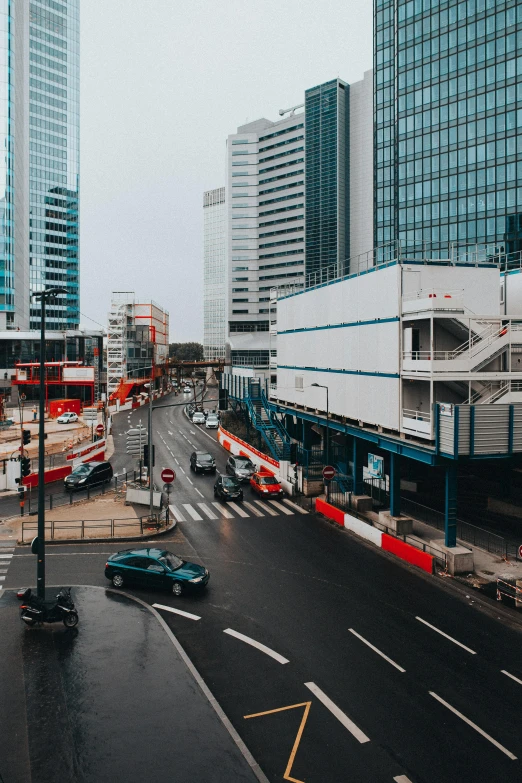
(108, 527)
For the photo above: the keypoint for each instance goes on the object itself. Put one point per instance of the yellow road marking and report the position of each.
(306, 705)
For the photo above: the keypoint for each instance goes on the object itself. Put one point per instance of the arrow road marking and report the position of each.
(359, 735)
(474, 726)
(446, 636)
(306, 705)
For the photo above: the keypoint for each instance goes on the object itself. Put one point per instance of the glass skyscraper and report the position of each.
(327, 176)
(214, 274)
(448, 120)
(39, 116)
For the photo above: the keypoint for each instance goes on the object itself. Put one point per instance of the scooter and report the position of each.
(36, 610)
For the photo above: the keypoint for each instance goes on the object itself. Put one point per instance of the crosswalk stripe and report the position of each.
(193, 513)
(253, 509)
(2, 578)
(5, 557)
(295, 506)
(281, 507)
(210, 514)
(223, 510)
(176, 513)
(238, 510)
(266, 508)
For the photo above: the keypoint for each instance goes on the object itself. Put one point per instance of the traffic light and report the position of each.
(26, 437)
(146, 455)
(136, 439)
(26, 466)
(223, 399)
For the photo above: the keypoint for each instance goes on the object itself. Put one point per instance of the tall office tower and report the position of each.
(214, 274)
(448, 119)
(327, 121)
(265, 230)
(39, 111)
(339, 175)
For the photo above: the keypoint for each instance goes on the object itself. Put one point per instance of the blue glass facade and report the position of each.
(6, 162)
(327, 176)
(448, 122)
(54, 177)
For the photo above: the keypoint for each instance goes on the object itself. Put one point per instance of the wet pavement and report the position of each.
(109, 700)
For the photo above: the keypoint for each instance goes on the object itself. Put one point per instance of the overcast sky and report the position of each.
(163, 82)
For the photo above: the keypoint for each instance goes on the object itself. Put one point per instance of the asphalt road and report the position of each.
(333, 660)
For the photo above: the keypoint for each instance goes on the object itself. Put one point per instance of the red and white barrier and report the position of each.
(235, 445)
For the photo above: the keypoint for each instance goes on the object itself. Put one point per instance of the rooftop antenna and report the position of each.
(291, 110)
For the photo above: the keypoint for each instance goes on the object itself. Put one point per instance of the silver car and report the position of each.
(240, 467)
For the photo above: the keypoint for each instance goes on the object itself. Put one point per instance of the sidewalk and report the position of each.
(113, 699)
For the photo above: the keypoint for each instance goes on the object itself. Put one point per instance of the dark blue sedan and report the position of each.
(155, 568)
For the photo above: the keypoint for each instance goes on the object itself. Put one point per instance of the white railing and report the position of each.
(433, 293)
(491, 392)
(493, 332)
(417, 415)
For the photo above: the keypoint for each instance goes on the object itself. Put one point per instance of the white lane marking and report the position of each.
(5, 557)
(339, 714)
(205, 509)
(192, 432)
(365, 641)
(295, 506)
(402, 779)
(181, 469)
(193, 513)
(281, 507)
(2, 578)
(253, 509)
(177, 611)
(446, 635)
(503, 671)
(223, 510)
(190, 481)
(176, 461)
(259, 646)
(170, 433)
(266, 508)
(474, 726)
(239, 511)
(199, 493)
(176, 513)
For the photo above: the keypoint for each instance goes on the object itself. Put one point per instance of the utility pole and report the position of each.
(151, 483)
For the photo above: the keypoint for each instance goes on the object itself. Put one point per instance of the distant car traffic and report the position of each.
(228, 488)
(212, 422)
(202, 462)
(266, 485)
(198, 418)
(186, 390)
(156, 568)
(240, 467)
(67, 418)
(89, 474)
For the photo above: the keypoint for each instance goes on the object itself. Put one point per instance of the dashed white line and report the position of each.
(503, 671)
(339, 714)
(402, 779)
(199, 493)
(446, 635)
(181, 469)
(375, 649)
(177, 611)
(193, 513)
(474, 726)
(190, 481)
(258, 645)
(176, 461)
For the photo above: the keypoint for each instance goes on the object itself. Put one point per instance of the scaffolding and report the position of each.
(121, 313)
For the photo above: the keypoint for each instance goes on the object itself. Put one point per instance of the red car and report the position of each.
(265, 485)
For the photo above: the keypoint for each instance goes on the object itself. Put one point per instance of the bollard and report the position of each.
(50, 502)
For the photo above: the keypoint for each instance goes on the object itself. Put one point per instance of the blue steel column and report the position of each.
(450, 506)
(395, 485)
(357, 467)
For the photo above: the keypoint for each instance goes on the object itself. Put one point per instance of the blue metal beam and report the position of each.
(450, 505)
(395, 485)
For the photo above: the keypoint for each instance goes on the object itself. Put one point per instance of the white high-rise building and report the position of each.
(265, 231)
(214, 273)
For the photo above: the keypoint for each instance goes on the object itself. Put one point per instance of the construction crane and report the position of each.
(292, 110)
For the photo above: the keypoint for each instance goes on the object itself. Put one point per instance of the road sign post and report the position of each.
(168, 475)
(328, 474)
(99, 429)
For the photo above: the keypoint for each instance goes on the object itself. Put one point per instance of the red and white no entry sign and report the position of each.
(168, 475)
(520, 551)
(99, 429)
(328, 472)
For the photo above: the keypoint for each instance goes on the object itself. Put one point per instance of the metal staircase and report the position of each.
(266, 423)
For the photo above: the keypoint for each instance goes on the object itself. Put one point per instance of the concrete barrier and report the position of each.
(363, 529)
(235, 445)
(54, 474)
(408, 553)
(327, 510)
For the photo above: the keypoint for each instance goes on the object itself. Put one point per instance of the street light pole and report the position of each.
(151, 483)
(48, 294)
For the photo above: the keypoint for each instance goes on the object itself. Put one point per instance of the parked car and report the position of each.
(89, 474)
(202, 462)
(198, 417)
(212, 422)
(266, 485)
(155, 568)
(228, 488)
(240, 467)
(67, 418)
